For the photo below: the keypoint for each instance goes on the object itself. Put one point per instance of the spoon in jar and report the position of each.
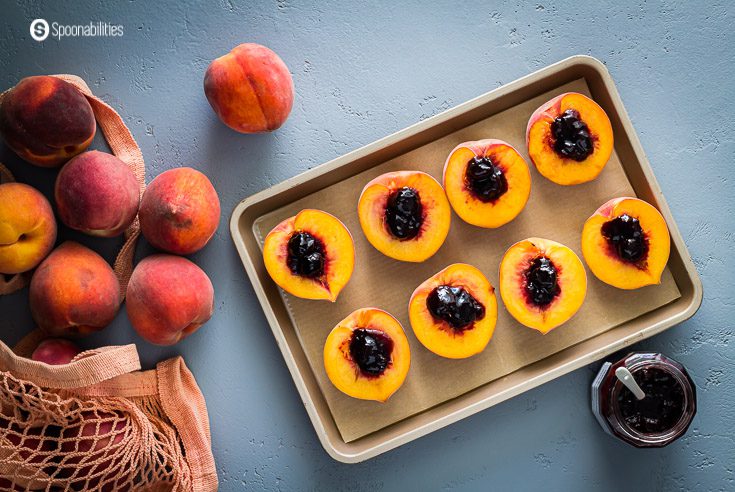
(625, 377)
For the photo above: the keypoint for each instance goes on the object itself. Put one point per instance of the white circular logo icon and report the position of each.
(39, 29)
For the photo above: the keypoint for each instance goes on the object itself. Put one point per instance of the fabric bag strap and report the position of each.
(88, 368)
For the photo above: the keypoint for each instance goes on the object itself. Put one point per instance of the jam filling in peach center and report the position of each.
(662, 407)
(625, 236)
(305, 255)
(571, 136)
(454, 305)
(485, 179)
(404, 213)
(541, 282)
(370, 350)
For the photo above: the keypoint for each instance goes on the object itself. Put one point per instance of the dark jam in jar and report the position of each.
(662, 407)
(661, 417)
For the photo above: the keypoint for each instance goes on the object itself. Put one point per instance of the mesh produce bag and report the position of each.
(99, 423)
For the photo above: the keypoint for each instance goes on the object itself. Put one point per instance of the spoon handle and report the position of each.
(625, 377)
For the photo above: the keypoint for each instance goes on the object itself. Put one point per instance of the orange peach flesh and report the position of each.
(437, 335)
(339, 255)
(436, 220)
(466, 205)
(344, 373)
(571, 278)
(540, 141)
(603, 260)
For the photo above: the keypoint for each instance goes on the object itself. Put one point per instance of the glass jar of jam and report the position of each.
(661, 417)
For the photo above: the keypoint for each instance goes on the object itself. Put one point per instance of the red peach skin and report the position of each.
(97, 193)
(55, 351)
(250, 89)
(179, 212)
(46, 121)
(74, 292)
(168, 299)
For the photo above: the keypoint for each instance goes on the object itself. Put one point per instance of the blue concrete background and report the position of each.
(364, 71)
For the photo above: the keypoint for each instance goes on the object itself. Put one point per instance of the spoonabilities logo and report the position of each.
(39, 30)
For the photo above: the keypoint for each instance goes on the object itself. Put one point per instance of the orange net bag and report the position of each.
(99, 423)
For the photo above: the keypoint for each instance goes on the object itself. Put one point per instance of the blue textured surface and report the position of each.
(364, 72)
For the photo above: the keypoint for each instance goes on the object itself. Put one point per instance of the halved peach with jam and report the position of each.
(487, 182)
(453, 313)
(310, 255)
(367, 355)
(569, 139)
(405, 215)
(542, 283)
(626, 243)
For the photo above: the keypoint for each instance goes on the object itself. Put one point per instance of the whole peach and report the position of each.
(250, 89)
(179, 212)
(24, 449)
(96, 435)
(168, 299)
(27, 228)
(97, 193)
(46, 120)
(94, 431)
(74, 292)
(55, 351)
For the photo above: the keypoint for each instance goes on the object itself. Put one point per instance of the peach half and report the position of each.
(27, 228)
(487, 182)
(569, 139)
(367, 355)
(453, 313)
(310, 255)
(626, 243)
(405, 215)
(543, 283)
